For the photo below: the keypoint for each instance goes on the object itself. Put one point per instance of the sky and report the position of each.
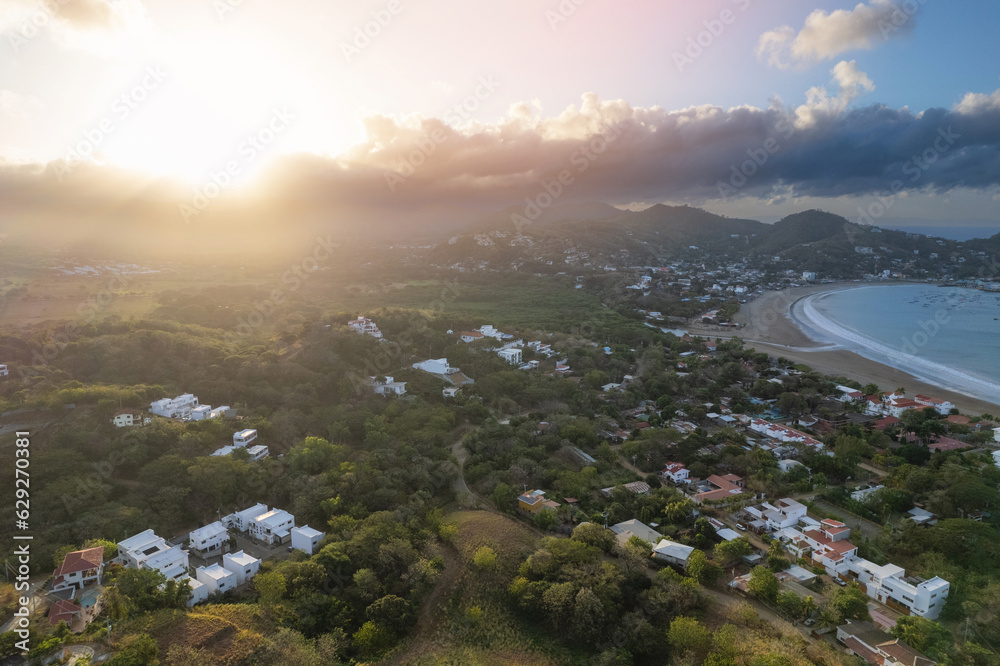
(883, 110)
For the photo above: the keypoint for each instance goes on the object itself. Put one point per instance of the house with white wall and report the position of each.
(209, 540)
(672, 552)
(889, 585)
(244, 437)
(175, 408)
(783, 513)
(387, 387)
(365, 326)
(3, 370)
(512, 355)
(216, 578)
(126, 418)
(943, 407)
(676, 472)
(199, 592)
(79, 569)
(244, 566)
(436, 366)
(306, 539)
(471, 336)
(241, 520)
(272, 527)
(258, 452)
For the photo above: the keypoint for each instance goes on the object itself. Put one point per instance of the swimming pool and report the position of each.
(89, 597)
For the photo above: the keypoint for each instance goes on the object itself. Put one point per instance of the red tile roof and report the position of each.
(858, 648)
(63, 610)
(81, 560)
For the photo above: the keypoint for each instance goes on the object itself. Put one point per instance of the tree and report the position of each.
(849, 603)
(271, 587)
(595, 535)
(485, 559)
(588, 615)
(139, 650)
(391, 611)
(728, 552)
(925, 636)
(763, 584)
(372, 639)
(503, 497)
(687, 634)
(702, 569)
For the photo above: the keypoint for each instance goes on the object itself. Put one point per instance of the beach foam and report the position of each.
(815, 324)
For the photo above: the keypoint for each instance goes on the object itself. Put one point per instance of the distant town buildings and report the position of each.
(387, 386)
(186, 408)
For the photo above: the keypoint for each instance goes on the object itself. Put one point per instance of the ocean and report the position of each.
(945, 336)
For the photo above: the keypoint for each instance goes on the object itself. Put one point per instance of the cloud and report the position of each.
(608, 150)
(16, 105)
(851, 82)
(827, 35)
(72, 23)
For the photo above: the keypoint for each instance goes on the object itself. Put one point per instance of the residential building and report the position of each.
(783, 513)
(862, 493)
(224, 451)
(306, 539)
(636, 487)
(126, 418)
(175, 408)
(210, 539)
(273, 527)
(491, 332)
(471, 336)
(943, 407)
(258, 452)
(996, 434)
(241, 519)
(996, 455)
(4, 371)
(877, 647)
(199, 591)
(512, 356)
(717, 487)
(201, 412)
(672, 553)
(911, 595)
(216, 578)
(387, 386)
(627, 529)
(79, 569)
(244, 437)
(63, 610)
(848, 394)
(244, 566)
(676, 472)
(365, 326)
(533, 501)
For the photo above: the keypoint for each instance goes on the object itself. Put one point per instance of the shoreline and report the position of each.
(770, 326)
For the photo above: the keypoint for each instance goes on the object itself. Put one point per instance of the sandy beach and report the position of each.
(769, 329)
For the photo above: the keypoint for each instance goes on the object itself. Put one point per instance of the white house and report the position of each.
(126, 418)
(224, 451)
(272, 527)
(889, 585)
(210, 539)
(258, 452)
(201, 412)
(672, 552)
(365, 326)
(996, 434)
(199, 592)
(676, 472)
(471, 336)
(436, 366)
(241, 519)
(216, 578)
(388, 387)
(996, 455)
(79, 568)
(306, 539)
(244, 566)
(848, 394)
(4, 371)
(943, 407)
(174, 408)
(512, 356)
(244, 437)
(491, 332)
(783, 513)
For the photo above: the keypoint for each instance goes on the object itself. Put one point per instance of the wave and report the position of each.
(936, 374)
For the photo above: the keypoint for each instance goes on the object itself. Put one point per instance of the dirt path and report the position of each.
(431, 613)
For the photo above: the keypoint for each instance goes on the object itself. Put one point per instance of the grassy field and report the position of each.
(221, 634)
